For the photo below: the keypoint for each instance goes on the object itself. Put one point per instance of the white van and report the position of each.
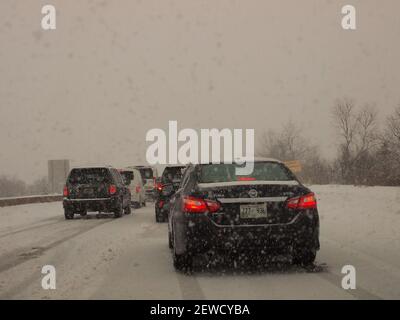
(138, 192)
(149, 175)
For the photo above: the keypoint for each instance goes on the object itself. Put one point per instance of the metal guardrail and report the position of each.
(5, 202)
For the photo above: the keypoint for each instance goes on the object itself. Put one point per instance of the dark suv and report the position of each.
(166, 185)
(95, 189)
(217, 209)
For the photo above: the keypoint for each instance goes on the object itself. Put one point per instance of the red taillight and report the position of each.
(198, 205)
(305, 202)
(292, 203)
(112, 189)
(213, 206)
(65, 191)
(159, 186)
(194, 205)
(246, 178)
(161, 204)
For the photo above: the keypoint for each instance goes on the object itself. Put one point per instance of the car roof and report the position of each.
(142, 167)
(263, 159)
(176, 166)
(125, 169)
(254, 159)
(93, 167)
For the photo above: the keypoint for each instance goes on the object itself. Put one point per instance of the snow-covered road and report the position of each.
(128, 258)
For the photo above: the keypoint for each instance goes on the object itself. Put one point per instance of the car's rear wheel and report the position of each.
(158, 216)
(170, 242)
(182, 262)
(128, 210)
(304, 256)
(118, 211)
(136, 204)
(69, 215)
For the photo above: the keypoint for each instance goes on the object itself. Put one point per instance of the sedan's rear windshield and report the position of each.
(89, 176)
(263, 171)
(172, 174)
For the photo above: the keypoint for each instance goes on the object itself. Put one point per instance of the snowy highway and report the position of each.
(98, 257)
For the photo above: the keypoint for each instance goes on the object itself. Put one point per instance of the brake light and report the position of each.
(246, 179)
(305, 202)
(112, 189)
(159, 186)
(213, 206)
(198, 205)
(65, 191)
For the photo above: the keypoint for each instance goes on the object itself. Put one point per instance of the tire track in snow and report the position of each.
(4, 235)
(190, 287)
(18, 257)
(358, 293)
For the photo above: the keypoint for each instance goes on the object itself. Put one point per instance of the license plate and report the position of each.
(253, 211)
(88, 191)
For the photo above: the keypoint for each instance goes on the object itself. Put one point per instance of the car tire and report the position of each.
(136, 205)
(68, 214)
(170, 242)
(128, 210)
(304, 256)
(158, 218)
(118, 211)
(143, 203)
(83, 213)
(182, 262)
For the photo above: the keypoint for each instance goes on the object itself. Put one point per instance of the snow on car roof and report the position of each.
(175, 165)
(92, 167)
(260, 159)
(249, 159)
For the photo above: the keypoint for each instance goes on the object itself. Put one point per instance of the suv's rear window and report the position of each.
(89, 176)
(263, 171)
(172, 174)
(146, 173)
(126, 175)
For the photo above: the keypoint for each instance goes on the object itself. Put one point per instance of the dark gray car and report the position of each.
(99, 189)
(219, 210)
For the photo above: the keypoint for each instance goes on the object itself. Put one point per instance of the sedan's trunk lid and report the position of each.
(252, 202)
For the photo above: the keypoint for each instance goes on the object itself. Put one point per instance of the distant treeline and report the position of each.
(367, 152)
(14, 187)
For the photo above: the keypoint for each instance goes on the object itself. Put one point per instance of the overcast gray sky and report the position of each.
(90, 90)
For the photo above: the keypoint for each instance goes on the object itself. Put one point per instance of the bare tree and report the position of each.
(392, 133)
(289, 144)
(358, 138)
(11, 187)
(286, 144)
(39, 186)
